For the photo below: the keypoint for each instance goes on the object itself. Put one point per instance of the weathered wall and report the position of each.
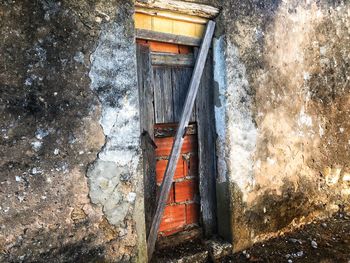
(282, 113)
(70, 173)
(67, 94)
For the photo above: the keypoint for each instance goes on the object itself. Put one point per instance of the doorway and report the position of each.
(164, 74)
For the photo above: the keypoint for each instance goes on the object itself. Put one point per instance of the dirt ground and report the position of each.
(325, 241)
(322, 241)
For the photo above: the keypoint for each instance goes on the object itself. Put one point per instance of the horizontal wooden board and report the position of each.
(169, 130)
(167, 59)
(168, 38)
(191, 232)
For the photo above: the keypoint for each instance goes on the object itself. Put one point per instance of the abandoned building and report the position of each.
(131, 127)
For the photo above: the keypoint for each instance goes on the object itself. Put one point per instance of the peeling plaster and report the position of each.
(113, 79)
(287, 99)
(241, 132)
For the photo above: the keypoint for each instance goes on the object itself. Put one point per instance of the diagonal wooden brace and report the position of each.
(176, 148)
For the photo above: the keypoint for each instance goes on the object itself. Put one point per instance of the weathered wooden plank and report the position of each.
(183, 7)
(144, 74)
(206, 149)
(181, 78)
(169, 130)
(167, 59)
(163, 95)
(193, 233)
(168, 38)
(176, 149)
(146, 88)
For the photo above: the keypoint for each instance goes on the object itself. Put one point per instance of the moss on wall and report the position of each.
(50, 131)
(286, 108)
(69, 124)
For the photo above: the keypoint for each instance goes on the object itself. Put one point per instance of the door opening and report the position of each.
(164, 74)
(182, 209)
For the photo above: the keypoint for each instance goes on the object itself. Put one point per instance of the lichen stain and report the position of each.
(50, 132)
(301, 104)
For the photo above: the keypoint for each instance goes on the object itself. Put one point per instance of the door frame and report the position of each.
(183, 23)
(206, 138)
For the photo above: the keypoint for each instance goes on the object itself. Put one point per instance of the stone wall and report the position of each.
(70, 178)
(282, 114)
(70, 168)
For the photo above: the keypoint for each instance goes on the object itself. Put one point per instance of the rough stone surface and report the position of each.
(67, 93)
(70, 163)
(286, 102)
(195, 257)
(115, 178)
(218, 249)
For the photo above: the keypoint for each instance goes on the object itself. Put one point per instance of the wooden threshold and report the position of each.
(191, 233)
(168, 38)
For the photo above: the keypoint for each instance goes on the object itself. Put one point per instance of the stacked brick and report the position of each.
(182, 209)
(162, 47)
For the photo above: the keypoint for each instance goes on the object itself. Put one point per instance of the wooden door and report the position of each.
(164, 73)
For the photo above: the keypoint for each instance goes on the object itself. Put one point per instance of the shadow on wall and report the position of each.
(84, 240)
(82, 251)
(49, 59)
(296, 60)
(272, 212)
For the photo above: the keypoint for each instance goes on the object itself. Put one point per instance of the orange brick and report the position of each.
(164, 145)
(186, 190)
(164, 47)
(185, 49)
(161, 166)
(174, 217)
(192, 214)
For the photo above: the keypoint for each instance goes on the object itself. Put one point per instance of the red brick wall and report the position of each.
(182, 208)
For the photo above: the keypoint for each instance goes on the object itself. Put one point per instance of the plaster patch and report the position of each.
(113, 78)
(241, 132)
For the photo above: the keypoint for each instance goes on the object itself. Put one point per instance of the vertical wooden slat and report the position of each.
(163, 97)
(181, 77)
(175, 152)
(206, 149)
(146, 88)
(144, 73)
